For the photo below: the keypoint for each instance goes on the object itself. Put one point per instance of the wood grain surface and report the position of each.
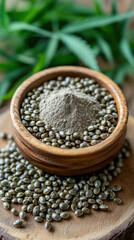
(116, 224)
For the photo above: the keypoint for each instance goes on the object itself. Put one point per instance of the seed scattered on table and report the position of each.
(48, 225)
(64, 215)
(22, 215)
(3, 135)
(18, 223)
(78, 212)
(116, 188)
(118, 201)
(49, 197)
(38, 219)
(15, 212)
(6, 205)
(103, 207)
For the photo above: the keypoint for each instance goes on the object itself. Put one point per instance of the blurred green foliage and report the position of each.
(48, 33)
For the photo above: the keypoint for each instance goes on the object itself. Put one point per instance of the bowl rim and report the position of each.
(26, 137)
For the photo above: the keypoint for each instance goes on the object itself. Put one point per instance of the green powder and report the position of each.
(68, 109)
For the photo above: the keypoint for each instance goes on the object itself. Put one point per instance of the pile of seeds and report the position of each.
(52, 128)
(49, 196)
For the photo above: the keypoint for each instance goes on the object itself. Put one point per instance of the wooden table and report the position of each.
(118, 223)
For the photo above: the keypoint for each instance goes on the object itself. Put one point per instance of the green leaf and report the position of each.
(82, 9)
(55, 26)
(25, 59)
(64, 59)
(130, 34)
(120, 76)
(126, 51)
(61, 12)
(4, 86)
(81, 49)
(123, 71)
(40, 64)
(33, 14)
(51, 49)
(5, 55)
(6, 66)
(17, 57)
(96, 50)
(127, 21)
(19, 26)
(32, 2)
(93, 22)
(109, 73)
(3, 33)
(114, 7)
(7, 81)
(13, 89)
(105, 49)
(99, 6)
(3, 13)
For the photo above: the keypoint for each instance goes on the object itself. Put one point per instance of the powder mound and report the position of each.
(68, 109)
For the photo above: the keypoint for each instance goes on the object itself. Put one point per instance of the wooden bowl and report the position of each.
(68, 161)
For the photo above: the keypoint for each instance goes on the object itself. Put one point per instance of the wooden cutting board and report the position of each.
(116, 224)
